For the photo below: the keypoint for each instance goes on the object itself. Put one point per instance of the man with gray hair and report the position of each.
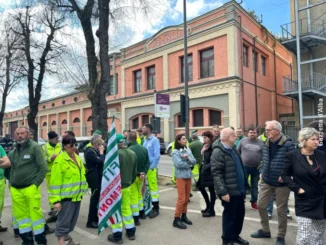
(272, 165)
(94, 158)
(229, 180)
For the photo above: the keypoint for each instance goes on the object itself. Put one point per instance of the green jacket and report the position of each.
(28, 165)
(195, 147)
(128, 166)
(142, 157)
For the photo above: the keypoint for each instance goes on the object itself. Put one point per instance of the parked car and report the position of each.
(169, 148)
(82, 145)
(162, 145)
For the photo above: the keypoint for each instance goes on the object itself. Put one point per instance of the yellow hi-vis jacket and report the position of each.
(48, 151)
(68, 180)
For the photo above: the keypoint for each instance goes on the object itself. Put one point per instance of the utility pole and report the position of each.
(185, 65)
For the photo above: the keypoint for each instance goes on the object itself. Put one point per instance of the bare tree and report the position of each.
(10, 68)
(38, 29)
(106, 12)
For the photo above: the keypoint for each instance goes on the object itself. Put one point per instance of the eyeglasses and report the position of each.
(269, 130)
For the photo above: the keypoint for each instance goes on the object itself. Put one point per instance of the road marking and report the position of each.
(220, 214)
(85, 233)
(164, 190)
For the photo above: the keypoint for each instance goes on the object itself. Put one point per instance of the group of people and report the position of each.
(273, 160)
(222, 164)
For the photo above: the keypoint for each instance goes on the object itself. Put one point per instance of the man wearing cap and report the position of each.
(50, 151)
(128, 173)
(152, 145)
(193, 132)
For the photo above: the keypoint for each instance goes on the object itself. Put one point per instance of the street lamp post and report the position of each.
(185, 70)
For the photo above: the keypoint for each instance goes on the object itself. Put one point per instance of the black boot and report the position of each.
(142, 214)
(41, 238)
(116, 238)
(16, 232)
(209, 213)
(131, 233)
(185, 219)
(27, 238)
(52, 219)
(178, 224)
(155, 211)
(136, 220)
(205, 210)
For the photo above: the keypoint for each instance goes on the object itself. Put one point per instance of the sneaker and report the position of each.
(280, 241)
(254, 206)
(270, 216)
(261, 234)
(289, 216)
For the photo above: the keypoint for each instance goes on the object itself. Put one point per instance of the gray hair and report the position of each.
(305, 134)
(95, 138)
(276, 124)
(23, 127)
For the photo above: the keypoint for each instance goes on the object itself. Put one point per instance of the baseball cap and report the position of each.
(120, 138)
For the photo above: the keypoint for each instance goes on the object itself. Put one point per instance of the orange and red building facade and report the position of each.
(231, 58)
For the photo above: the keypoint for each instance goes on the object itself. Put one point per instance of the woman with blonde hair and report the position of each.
(305, 174)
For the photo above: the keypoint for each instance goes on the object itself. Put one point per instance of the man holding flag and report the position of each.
(119, 173)
(152, 145)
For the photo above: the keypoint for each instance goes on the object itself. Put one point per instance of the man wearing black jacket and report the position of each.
(229, 180)
(94, 157)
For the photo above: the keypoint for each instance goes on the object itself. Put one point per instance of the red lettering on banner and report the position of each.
(114, 195)
(109, 201)
(110, 187)
(103, 207)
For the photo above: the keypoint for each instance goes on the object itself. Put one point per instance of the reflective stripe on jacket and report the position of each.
(67, 179)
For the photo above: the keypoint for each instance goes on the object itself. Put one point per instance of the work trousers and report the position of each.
(67, 218)
(282, 195)
(2, 195)
(152, 182)
(136, 198)
(183, 189)
(28, 213)
(93, 206)
(48, 179)
(232, 218)
(128, 220)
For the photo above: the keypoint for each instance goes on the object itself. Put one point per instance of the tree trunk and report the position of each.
(5, 90)
(99, 103)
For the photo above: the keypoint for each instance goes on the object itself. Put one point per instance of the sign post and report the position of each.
(162, 105)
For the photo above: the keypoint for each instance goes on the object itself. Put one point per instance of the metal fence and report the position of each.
(313, 80)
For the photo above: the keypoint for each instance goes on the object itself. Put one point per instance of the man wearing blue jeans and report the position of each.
(250, 150)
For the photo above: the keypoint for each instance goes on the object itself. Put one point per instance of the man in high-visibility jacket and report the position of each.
(51, 150)
(128, 173)
(28, 169)
(140, 136)
(4, 163)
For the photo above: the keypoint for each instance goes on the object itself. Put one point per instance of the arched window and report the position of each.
(64, 121)
(53, 104)
(63, 102)
(45, 124)
(54, 123)
(89, 119)
(76, 120)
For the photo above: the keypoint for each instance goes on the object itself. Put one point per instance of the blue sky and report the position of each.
(275, 13)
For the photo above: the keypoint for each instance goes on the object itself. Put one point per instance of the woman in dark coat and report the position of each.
(305, 174)
(205, 177)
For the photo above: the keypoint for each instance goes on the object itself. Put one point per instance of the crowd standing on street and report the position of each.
(223, 164)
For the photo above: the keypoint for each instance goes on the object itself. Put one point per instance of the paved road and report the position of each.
(205, 231)
(165, 165)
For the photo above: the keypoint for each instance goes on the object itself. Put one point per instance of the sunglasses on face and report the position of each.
(73, 145)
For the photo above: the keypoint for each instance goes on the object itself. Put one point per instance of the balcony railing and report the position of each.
(310, 81)
(306, 26)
